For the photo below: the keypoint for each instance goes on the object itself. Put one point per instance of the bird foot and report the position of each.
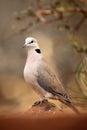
(40, 102)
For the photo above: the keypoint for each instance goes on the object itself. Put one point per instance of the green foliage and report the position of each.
(79, 68)
(81, 76)
(78, 46)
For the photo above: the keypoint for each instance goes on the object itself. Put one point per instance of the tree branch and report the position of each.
(39, 13)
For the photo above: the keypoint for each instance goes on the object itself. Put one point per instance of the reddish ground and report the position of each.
(43, 117)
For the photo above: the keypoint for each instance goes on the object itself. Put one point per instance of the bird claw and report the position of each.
(40, 102)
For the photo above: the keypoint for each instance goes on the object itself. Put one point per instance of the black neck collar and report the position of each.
(38, 50)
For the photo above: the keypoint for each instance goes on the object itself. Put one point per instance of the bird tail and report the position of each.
(70, 105)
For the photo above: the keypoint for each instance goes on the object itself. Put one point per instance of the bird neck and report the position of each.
(34, 54)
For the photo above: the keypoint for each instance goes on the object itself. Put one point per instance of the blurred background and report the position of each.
(61, 30)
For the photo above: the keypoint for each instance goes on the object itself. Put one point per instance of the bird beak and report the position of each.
(24, 45)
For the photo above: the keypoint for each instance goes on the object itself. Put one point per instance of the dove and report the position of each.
(41, 77)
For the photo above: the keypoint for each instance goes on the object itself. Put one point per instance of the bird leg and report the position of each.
(42, 100)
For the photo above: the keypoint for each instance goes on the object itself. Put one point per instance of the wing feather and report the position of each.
(48, 80)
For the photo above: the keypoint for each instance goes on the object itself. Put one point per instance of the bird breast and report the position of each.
(30, 69)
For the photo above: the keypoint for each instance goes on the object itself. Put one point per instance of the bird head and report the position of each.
(30, 42)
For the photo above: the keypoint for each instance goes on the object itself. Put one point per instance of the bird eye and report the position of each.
(31, 41)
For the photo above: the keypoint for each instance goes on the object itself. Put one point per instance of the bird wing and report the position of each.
(47, 79)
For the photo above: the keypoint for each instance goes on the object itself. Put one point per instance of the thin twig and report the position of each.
(39, 13)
